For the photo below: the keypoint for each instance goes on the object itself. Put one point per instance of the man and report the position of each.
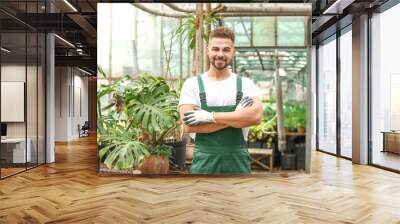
(219, 106)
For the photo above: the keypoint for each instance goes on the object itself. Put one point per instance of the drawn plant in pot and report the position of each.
(152, 103)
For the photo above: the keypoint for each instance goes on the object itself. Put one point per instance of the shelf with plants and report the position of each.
(264, 134)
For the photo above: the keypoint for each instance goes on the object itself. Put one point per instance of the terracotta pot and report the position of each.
(301, 130)
(155, 165)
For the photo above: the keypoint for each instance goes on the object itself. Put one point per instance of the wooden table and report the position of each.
(257, 154)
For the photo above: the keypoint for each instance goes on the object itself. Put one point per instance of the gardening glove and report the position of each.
(198, 117)
(245, 102)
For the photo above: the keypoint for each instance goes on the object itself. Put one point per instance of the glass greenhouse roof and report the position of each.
(128, 51)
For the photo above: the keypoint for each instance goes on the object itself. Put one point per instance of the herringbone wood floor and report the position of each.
(70, 191)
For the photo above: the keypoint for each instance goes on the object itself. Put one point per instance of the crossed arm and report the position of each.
(244, 117)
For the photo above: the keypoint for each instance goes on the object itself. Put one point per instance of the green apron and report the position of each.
(224, 151)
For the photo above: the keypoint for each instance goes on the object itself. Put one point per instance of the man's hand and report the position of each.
(245, 102)
(206, 128)
(241, 118)
(198, 117)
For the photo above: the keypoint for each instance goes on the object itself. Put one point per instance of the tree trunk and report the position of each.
(188, 59)
(279, 107)
(167, 53)
(197, 65)
(208, 30)
(180, 54)
(110, 41)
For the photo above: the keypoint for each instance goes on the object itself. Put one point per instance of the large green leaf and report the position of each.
(148, 107)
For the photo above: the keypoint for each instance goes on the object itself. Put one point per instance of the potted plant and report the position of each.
(119, 147)
(255, 136)
(133, 125)
(301, 118)
(153, 104)
(262, 135)
(157, 162)
(176, 138)
(290, 124)
(122, 151)
(290, 114)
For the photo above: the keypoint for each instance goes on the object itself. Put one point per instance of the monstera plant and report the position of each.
(122, 150)
(154, 106)
(140, 113)
(118, 139)
(152, 103)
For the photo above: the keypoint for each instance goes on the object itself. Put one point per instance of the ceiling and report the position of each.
(75, 23)
(331, 15)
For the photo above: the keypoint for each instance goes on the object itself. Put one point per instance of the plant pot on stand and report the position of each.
(301, 130)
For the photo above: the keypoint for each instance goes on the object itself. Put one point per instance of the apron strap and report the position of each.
(202, 93)
(239, 93)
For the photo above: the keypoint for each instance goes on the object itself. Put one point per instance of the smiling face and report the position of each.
(220, 51)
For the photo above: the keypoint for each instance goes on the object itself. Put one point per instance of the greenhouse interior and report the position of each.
(147, 51)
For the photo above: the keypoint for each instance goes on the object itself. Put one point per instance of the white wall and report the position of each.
(70, 83)
(12, 73)
(61, 103)
(79, 117)
(33, 126)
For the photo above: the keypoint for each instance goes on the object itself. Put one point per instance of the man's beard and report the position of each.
(218, 67)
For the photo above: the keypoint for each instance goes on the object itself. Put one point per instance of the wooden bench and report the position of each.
(258, 154)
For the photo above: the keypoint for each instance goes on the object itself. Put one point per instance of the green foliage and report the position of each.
(295, 114)
(188, 28)
(161, 150)
(294, 117)
(139, 113)
(176, 133)
(153, 106)
(269, 108)
(122, 150)
(266, 131)
(301, 116)
(259, 132)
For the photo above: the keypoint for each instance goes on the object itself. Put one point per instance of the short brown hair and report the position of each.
(222, 32)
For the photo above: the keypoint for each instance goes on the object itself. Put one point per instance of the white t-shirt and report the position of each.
(218, 93)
